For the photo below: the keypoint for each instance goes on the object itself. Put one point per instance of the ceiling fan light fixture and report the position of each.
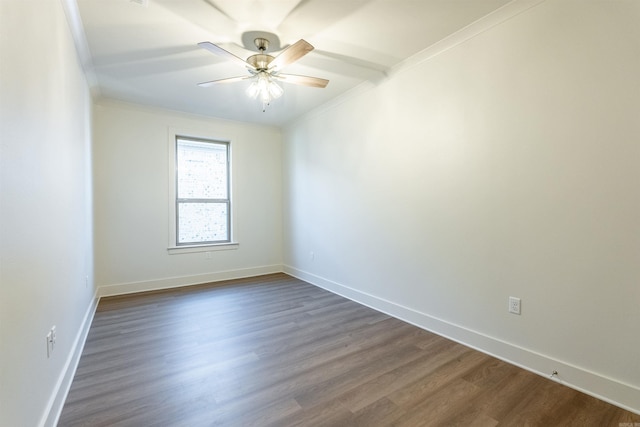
(264, 87)
(252, 91)
(275, 90)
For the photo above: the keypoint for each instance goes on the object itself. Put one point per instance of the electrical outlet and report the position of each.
(49, 347)
(514, 305)
(48, 339)
(51, 341)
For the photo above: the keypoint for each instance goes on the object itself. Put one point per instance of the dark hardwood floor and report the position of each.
(276, 351)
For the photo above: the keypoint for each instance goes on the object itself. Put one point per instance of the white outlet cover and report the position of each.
(514, 305)
(49, 339)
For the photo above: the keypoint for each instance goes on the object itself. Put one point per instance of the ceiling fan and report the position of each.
(265, 70)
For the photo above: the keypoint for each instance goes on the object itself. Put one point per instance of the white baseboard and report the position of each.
(174, 282)
(623, 395)
(56, 401)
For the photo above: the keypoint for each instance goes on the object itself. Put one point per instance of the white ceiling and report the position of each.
(147, 53)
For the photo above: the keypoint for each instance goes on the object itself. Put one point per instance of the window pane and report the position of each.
(202, 170)
(202, 222)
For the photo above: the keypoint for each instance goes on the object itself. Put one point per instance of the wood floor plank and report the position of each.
(394, 380)
(497, 398)
(381, 412)
(276, 351)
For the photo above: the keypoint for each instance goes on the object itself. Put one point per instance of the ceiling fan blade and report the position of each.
(302, 80)
(227, 80)
(215, 49)
(291, 54)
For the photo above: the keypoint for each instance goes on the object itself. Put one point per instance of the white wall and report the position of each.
(45, 209)
(507, 165)
(132, 200)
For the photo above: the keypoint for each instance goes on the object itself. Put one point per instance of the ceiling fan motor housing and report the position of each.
(260, 61)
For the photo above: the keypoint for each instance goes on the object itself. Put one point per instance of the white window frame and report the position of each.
(173, 247)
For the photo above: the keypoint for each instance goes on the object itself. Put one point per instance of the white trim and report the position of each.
(54, 407)
(175, 250)
(616, 392)
(176, 282)
(172, 134)
(474, 29)
(79, 36)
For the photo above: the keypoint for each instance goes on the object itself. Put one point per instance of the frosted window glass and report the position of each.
(202, 222)
(202, 170)
(202, 191)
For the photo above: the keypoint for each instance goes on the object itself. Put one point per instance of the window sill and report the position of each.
(174, 250)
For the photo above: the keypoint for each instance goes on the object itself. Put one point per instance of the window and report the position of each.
(202, 193)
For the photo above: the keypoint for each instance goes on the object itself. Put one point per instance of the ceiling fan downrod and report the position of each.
(261, 60)
(261, 43)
